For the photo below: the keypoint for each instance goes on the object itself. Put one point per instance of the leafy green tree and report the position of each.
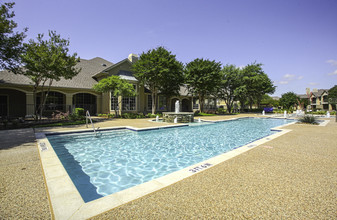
(304, 102)
(203, 78)
(159, 71)
(10, 41)
(241, 94)
(269, 101)
(230, 84)
(257, 83)
(46, 61)
(117, 87)
(288, 100)
(332, 93)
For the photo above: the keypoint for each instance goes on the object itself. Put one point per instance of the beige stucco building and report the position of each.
(16, 92)
(318, 99)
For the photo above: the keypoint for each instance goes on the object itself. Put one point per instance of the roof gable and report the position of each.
(84, 79)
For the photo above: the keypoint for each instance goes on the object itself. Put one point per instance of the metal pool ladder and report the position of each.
(87, 115)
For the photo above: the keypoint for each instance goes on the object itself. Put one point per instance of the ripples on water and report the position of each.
(119, 159)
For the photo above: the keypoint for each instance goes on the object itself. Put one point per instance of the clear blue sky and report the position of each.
(295, 40)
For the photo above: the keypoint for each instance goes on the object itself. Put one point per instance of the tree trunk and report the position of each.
(44, 98)
(201, 103)
(34, 103)
(229, 107)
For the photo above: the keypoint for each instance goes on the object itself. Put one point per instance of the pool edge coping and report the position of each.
(67, 203)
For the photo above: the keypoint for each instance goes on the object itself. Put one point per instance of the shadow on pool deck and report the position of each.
(293, 177)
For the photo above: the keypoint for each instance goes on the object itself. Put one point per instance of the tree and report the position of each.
(303, 102)
(269, 101)
(230, 83)
(288, 99)
(203, 78)
(332, 93)
(257, 83)
(10, 41)
(46, 61)
(117, 87)
(159, 71)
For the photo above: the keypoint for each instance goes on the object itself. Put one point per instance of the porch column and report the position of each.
(69, 102)
(120, 105)
(29, 103)
(99, 104)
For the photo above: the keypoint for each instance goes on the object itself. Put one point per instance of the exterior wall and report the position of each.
(320, 102)
(16, 102)
(21, 100)
(123, 66)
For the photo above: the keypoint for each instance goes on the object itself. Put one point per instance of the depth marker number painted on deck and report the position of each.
(199, 168)
(43, 146)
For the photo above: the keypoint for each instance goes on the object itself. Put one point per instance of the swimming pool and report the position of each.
(119, 159)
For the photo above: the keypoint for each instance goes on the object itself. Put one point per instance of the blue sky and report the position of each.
(296, 40)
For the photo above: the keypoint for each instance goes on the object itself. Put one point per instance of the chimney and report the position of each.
(307, 91)
(133, 58)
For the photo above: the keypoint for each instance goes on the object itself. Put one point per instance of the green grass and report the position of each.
(61, 124)
(204, 114)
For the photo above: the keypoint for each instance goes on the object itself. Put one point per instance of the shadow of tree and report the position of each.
(14, 138)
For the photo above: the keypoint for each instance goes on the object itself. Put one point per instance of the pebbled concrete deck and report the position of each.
(293, 177)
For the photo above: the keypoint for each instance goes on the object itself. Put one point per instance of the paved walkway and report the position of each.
(291, 177)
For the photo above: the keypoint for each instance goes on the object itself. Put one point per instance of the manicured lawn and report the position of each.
(61, 124)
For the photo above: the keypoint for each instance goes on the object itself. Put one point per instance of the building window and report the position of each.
(129, 103)
(149, 102)
(162, 103)
(54, 101)
(314, 101)
(114, 102)
(86, 101)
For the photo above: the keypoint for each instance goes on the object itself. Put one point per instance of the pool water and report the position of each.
(120, 159)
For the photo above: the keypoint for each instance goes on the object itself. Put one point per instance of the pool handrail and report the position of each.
(87, 115)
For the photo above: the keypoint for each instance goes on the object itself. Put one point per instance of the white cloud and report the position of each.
(332, 62)
(333, 73)
(313, 84)
(289, 76)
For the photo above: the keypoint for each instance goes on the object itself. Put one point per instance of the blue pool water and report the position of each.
(120, 159)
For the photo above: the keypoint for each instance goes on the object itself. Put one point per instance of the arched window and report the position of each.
(54, 101)
(86, 101)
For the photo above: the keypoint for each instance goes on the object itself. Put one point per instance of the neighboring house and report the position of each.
(16, 94)
(319, 100)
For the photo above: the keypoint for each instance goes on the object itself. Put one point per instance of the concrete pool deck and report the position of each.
(292, 176)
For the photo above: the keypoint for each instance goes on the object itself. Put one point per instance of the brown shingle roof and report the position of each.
(83, 80)
(320, 92)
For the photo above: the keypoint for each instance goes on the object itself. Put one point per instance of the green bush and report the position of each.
(319, 113)
(75, 117)
(79, 111)
(111, 115)
(132, 115)
(149, 115)
(203, 114)
(308, 119)
(278, 111)
(221, 111)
